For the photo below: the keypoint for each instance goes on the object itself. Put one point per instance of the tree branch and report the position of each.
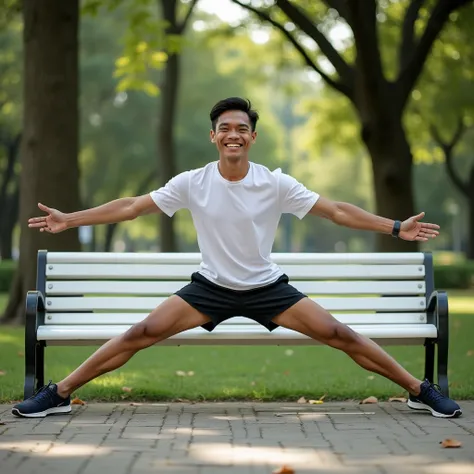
(408, 32)
(447, 148)
(344, 88)
(341, 7)
(414, 65)
(363, 19)
(189, 13)
(297, 16)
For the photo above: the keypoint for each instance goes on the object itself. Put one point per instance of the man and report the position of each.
(236, 205)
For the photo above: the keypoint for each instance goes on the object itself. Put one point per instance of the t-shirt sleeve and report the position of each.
(295, 198)
(174, 195)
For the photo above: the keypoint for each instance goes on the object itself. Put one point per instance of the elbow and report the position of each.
(338, 215)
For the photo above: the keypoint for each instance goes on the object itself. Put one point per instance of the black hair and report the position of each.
(234, 103)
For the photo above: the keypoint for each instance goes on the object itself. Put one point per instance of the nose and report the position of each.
(233, 135)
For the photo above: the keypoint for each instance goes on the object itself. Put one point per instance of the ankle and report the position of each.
(415, 388)
(62, 391)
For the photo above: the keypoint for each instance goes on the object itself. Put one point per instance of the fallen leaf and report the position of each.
(190, 373)
(450, 443)
(470, 353)
(289, 352)
(315, 402)
(2, 372)
(77, 401)
(286, 372)
(369, 400)
(133, 404)
(397, 399)
(284, 470)
(252, 383)
(21, 354)
(180, 373)
(126, 389)
(301, 400)
(371, 377)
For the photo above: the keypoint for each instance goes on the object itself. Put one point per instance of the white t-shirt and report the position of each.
(236, 221)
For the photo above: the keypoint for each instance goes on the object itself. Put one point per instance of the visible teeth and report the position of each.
(233, 146)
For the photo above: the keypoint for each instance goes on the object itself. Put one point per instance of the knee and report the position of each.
(341, 336)
(136, 334)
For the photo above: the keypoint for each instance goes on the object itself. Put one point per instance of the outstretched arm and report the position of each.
(348, 215)
(119, 210)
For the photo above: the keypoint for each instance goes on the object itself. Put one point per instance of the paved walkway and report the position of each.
(236, 438)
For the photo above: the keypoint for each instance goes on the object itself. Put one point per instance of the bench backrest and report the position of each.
(122, 288)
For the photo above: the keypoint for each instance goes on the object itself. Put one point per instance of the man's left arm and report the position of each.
(349, 215)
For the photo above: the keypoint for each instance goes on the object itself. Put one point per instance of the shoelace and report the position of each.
(43, 393)
(433, 393)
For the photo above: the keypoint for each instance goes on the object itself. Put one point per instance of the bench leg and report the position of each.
(429, 360)
(39, 365)
(443, 365)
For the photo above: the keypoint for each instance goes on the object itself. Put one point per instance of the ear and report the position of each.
(254, 137)
(213, 136)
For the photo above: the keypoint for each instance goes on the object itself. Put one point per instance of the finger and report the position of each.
(37, 224)
(37, 219)
(421, 239)
(427, 225)
(419, 216)
(44, 208)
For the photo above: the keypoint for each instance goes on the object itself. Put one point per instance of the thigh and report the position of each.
(171, 317)
(309, 318)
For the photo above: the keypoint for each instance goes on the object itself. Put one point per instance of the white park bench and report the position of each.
(88, 298)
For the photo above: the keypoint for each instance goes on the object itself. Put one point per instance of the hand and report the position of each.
(53, 223)
(413, 229)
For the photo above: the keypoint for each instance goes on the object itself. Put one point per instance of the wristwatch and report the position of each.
(396, 228)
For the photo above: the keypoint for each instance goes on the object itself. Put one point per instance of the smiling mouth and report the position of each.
(233, 145)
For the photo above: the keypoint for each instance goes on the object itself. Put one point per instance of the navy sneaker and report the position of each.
(431, 399)
(45, 401)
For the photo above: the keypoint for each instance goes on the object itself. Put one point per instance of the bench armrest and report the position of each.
(438, 312)
(34, 315)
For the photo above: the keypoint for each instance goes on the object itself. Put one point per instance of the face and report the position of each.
(233, 135)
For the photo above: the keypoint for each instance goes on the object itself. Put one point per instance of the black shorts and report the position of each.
(219, 303)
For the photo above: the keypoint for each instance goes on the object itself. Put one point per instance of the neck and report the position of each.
(233, 170)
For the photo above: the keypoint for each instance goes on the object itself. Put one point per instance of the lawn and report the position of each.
(252, 373)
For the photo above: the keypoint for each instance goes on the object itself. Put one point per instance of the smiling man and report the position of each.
(236, 206)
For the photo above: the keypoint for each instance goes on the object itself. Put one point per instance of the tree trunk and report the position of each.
(50, 133)
(8, 223)
(109, 236)
(166, 150)
(470, 203)
(392, 170)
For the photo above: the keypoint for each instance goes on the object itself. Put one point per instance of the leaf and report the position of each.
(190, 373)
(397, 399)
(316, 402)
(301, 400)
(134, 404)
(450, 443)
(284, 470)
(369, 400)
(2, 372)
(371, 377)
(289, 352)
(77, 401)
(470, 353)
(126, 389)
(21, 354)
(180, 373)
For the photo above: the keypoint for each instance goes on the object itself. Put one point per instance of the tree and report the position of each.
(174, 30)
(50, 133)
(378, 99)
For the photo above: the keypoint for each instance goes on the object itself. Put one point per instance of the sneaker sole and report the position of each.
(42, 414)
(423, 407)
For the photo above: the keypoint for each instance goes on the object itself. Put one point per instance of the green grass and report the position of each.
(247, 372)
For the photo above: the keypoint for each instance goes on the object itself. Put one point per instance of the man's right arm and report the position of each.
(119, 210)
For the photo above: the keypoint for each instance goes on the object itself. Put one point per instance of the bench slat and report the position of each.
(226, 334)
(195, 258)
(149, 303)
(74, 287)
(317, 272)
(133, 318)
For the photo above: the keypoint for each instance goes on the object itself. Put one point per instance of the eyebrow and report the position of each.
(225, 124)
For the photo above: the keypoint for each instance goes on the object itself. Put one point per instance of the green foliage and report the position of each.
(7, 271)
(458, 275)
